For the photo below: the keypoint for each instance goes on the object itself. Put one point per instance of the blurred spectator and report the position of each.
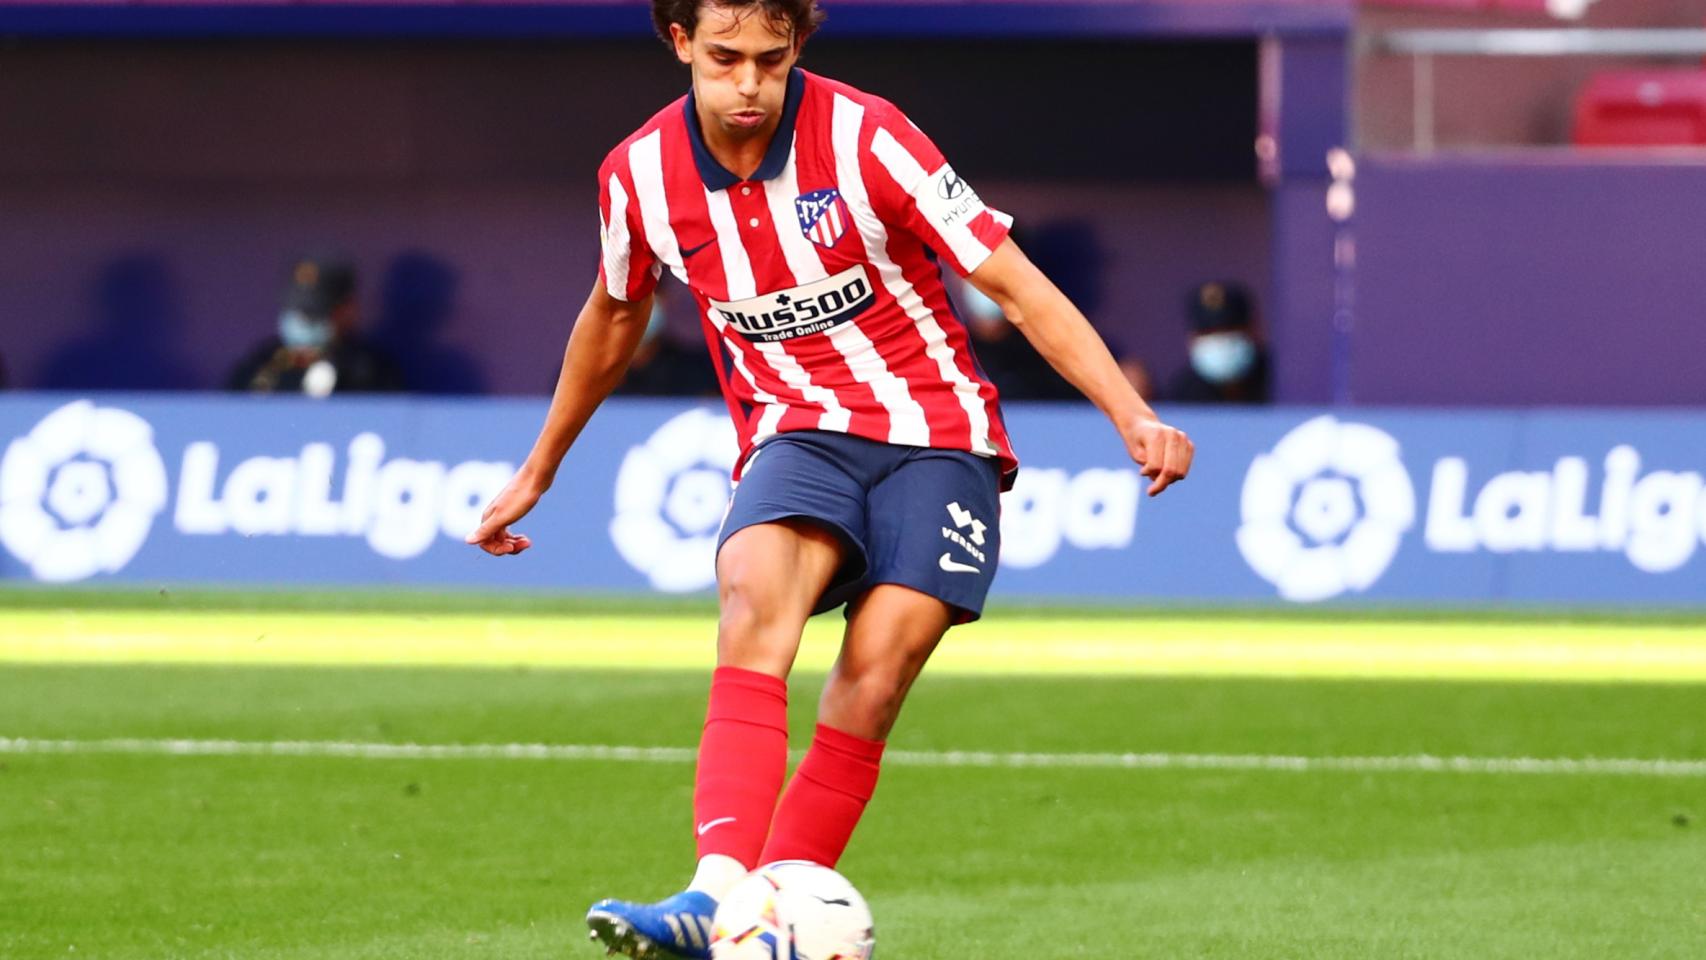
(417, 303)
(663, 367)
(1067, 252)
(317, 350)
(138, 338)
(1228, 364)
(1018, 371)
(1137, 374)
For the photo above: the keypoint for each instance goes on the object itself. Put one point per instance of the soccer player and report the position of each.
(809, 220)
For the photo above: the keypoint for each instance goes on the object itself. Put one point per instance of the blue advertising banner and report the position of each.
(1284, 506)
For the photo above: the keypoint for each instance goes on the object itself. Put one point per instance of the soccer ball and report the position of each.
(793, 910)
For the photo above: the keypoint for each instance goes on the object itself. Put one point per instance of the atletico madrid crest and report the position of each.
(823, 216)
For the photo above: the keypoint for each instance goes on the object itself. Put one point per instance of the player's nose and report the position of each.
(746, 80)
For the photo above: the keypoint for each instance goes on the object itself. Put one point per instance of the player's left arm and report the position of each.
(914, 189)
(1066, 340)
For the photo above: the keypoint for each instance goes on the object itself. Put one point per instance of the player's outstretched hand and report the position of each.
(511, 504)
(1164, 452)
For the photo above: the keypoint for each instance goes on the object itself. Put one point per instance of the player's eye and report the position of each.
(724, 59)
(771, 59)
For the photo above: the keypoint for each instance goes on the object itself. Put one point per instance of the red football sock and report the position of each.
(825, 799)
(743, 757)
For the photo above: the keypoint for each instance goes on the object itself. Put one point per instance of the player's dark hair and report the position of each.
(801, 17)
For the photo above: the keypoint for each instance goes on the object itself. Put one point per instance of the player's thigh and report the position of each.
(793, 533)
(934, 527)
(891, 633)
(778, 568)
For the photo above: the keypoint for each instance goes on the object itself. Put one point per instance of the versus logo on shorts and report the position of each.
(804, 310)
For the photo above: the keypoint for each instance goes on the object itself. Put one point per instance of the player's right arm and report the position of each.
(603, 341)
(600, 347)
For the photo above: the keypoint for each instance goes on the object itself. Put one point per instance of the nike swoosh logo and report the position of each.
(953, 566)
(705, 827)
(688, 253)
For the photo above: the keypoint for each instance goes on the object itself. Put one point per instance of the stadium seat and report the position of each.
(1642, 108)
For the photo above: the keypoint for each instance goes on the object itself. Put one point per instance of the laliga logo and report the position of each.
(78, 494)
(1094, 509)
(1324, 511)
(671, 494)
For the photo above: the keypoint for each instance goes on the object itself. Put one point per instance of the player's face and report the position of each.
(740, 68)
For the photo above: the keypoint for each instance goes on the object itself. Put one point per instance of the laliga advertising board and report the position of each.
(1284, 506)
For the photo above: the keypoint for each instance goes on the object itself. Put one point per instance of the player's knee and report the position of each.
(866, 702)
(754, 631)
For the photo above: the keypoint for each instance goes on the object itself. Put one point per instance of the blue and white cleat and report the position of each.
(679, 927)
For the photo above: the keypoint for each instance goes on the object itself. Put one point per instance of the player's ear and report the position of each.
(683, 43)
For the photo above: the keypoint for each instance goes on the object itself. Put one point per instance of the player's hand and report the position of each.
(1164, 452)
(511, 504)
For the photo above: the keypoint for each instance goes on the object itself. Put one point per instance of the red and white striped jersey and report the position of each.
(817, 278)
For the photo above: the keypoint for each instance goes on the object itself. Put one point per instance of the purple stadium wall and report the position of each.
(150, 204)
(1522, 280)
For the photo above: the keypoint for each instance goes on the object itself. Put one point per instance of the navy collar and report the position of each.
(715, 175)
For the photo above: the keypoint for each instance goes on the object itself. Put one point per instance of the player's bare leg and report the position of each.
(891, 632)
(769, 577)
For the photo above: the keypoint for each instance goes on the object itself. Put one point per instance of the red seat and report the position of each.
(1642, 108)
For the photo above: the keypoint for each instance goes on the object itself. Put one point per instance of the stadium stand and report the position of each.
(1642, 108)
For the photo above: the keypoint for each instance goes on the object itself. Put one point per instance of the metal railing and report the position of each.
(1423, 45)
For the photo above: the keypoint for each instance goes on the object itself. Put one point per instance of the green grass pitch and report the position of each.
(121, 851)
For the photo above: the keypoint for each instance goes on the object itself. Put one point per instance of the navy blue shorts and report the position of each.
(916, 516)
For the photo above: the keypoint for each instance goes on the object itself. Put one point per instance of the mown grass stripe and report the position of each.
(1152, 647)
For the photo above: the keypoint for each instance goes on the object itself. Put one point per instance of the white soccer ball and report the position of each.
(793, 910)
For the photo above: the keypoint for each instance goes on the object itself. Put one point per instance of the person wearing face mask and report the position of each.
(1227, 363)
(1018, 371)
(317, 351)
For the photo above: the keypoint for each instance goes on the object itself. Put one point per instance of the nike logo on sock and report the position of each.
(705, 827)
(954, 566)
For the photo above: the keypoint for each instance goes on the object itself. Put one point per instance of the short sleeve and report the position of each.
(626, 264)
(913, 186)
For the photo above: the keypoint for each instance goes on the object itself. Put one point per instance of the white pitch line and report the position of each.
(1415, 763)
